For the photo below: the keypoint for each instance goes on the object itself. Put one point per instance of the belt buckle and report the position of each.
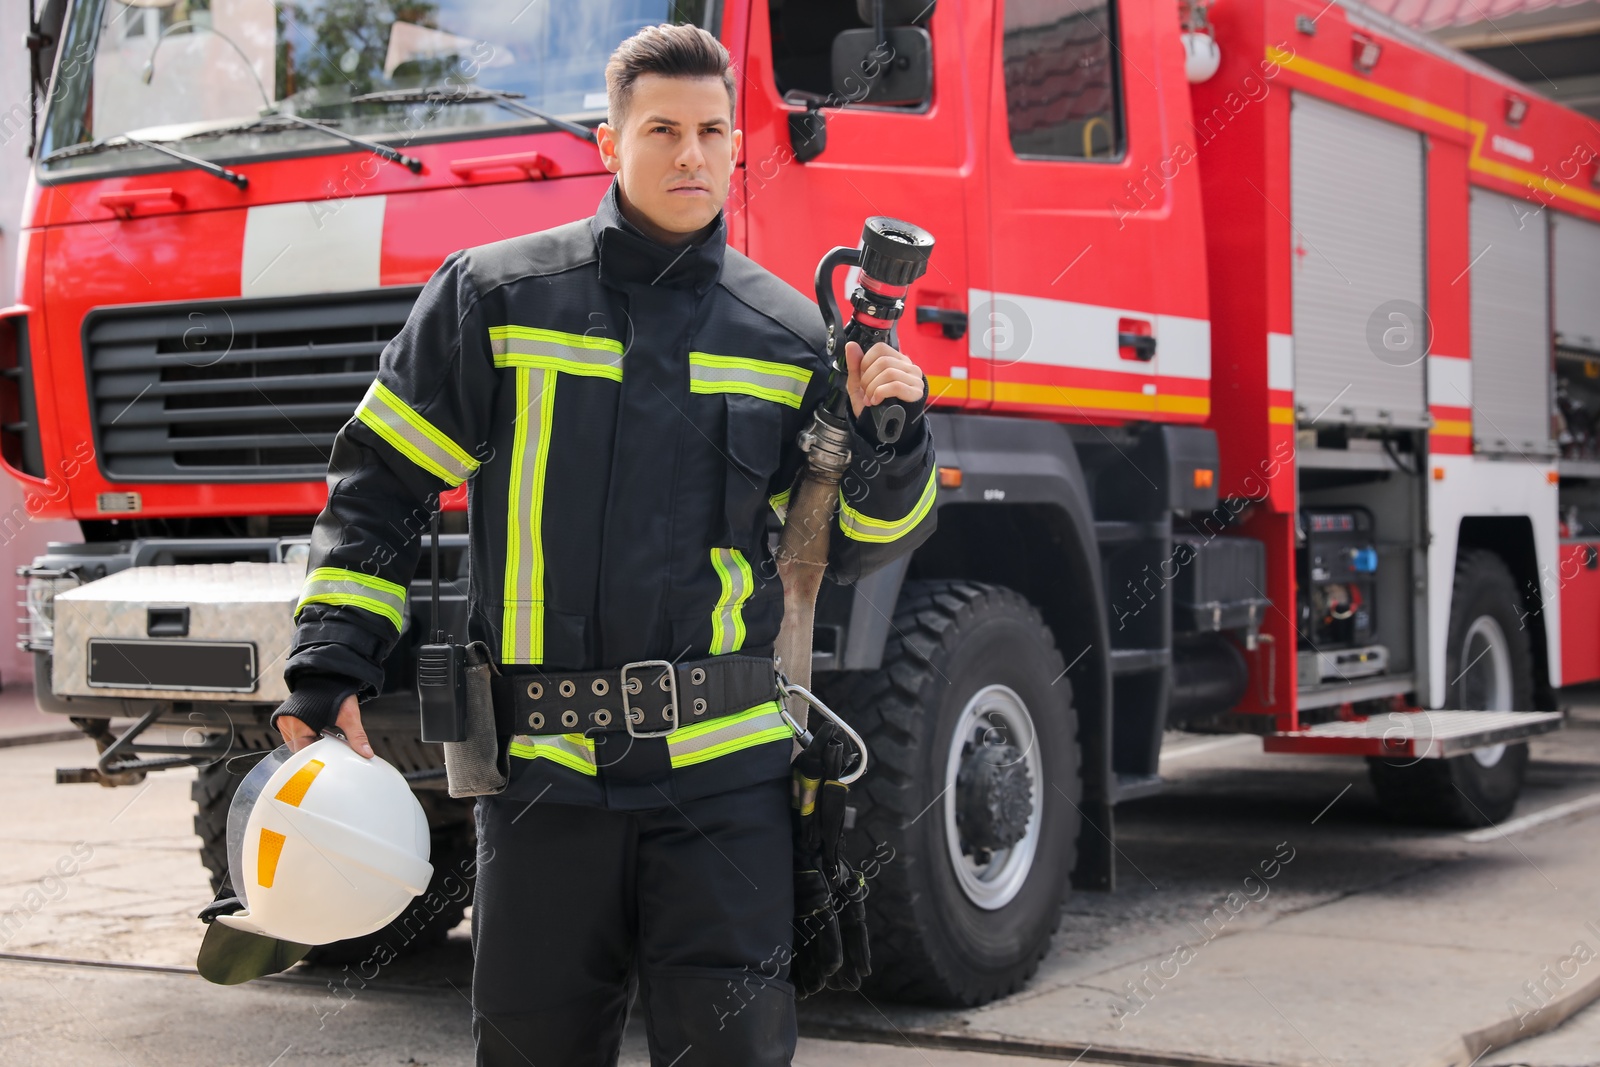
(627, 711)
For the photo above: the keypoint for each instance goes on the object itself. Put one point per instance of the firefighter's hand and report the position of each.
(298, 735)
(880, 374)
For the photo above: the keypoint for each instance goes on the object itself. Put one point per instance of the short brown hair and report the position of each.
(671, 51)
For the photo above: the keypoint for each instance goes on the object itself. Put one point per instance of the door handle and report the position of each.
(513, 166)
(1134, 340)
(123, 203)
(952, 320)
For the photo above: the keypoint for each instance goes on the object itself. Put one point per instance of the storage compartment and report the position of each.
(1580, 611)
(1220, 583)
(1511, 393)
(1356, 200)
(1359, 556)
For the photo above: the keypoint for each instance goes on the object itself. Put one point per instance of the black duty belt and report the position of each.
(660, 695)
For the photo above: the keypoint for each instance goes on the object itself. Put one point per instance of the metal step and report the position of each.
(1139, 660)
(1134, 786)
(1415, 734)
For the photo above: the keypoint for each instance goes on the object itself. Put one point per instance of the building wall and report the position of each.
(21, 539)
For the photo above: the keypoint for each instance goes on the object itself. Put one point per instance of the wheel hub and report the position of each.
(992, 820)
(993, 797)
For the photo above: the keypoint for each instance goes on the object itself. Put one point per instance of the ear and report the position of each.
(606, 136)
(737, 143)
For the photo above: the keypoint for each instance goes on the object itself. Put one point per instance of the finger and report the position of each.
(852, 359)
(894, 380)
(349, 720)
(296, 734)
(897, 390)
(853, 387)
(883, 371)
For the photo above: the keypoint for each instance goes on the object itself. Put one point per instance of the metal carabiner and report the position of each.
(804, 735)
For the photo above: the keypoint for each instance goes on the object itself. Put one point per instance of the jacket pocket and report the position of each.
(753, 444)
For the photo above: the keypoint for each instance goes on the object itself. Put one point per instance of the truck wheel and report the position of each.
(423, 924)
(1489, 667)
(966, 821)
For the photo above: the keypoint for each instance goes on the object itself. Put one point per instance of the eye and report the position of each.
(661, 129)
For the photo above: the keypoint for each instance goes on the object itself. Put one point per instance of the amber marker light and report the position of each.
(950, 477)
(1438, 474)
(1204, 477)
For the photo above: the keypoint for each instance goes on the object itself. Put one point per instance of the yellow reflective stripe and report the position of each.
(780, 504)
(860, 527)
(414, 436)
(702, 741)
(337, 586)
(727, 618)
(781, 383)
(525, 346)
(268, 849)
(569, 750)
(522, 621)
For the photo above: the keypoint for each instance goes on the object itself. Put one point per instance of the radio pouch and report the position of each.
(456, 702)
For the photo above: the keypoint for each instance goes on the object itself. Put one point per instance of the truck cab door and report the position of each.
(916, 160)
(1099, 306)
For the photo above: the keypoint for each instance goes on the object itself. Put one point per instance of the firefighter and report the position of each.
(621, 396)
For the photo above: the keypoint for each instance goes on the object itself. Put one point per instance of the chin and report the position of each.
(689, 221)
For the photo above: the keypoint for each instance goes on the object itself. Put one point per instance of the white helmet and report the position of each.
(324, 845)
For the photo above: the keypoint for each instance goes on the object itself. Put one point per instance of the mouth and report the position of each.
(689, 189)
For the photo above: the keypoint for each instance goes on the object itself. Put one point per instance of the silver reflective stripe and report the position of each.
(413, 436)
(780, 504)
(522, 623)
(697, 742)
(569, 750)
(727, 618)
(334, 585)
(781, 383)
(525, 346)
(859, 526)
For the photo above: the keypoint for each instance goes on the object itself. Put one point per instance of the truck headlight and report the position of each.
(40, 591)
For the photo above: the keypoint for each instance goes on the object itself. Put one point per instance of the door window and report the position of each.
(1063, 85)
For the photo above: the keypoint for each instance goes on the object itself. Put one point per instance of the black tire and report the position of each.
(424, 923)
(930, 941)
(1462, 791)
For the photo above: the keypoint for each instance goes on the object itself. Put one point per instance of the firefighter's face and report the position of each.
(673, 153)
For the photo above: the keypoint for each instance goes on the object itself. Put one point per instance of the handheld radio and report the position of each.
(893, 254)
(441, 671)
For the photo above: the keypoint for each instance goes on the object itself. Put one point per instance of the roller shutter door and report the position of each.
(1510, 327)
(1356, 186)
(1577, 282)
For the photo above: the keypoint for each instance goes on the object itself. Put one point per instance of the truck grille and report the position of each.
(240, 390)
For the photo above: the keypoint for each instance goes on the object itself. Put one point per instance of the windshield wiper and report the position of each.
(123, 140)
(475, 94)
(269, 121)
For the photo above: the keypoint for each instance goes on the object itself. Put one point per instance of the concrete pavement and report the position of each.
(1346, 940)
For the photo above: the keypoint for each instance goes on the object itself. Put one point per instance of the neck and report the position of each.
(670, 238)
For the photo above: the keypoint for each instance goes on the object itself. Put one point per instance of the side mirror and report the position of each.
(899, 71)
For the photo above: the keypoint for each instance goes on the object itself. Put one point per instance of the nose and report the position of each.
(690, 157)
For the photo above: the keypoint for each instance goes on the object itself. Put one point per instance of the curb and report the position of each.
(1470, 1047)
(40, 738)
(998, 1045)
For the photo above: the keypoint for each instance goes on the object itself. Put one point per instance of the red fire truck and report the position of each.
(1263, 338)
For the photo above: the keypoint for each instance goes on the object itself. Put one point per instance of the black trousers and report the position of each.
(691, 903)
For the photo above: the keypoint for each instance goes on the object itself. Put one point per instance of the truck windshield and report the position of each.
(200, 70)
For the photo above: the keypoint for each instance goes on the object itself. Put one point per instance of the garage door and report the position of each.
(1356, 186)
(1510, 326)
(1577, 282)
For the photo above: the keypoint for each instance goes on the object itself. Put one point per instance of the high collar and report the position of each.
(628, 257)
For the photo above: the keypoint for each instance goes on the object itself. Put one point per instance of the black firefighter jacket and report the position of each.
(624, 415)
